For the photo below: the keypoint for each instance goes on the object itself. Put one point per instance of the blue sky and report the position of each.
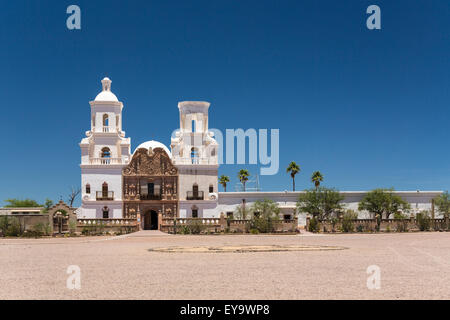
(368, 108)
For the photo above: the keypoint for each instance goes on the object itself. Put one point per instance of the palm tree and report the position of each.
(293, 168)
(243, 176)
(223, 181)
(316, 178)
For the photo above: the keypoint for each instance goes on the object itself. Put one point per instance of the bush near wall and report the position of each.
(348, 224)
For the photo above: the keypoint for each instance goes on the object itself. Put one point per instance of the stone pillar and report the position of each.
(159, 220)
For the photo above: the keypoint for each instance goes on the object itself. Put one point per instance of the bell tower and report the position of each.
(104, 152)
(195, 153)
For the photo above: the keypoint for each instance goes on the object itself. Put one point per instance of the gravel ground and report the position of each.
(413, 266)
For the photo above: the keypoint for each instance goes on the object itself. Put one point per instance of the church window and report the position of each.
(105, 120)
(88, 188)
(106, 153)
(194, 156)
(105, 213)
(104, 190)
(195, 190)
(194, 212)
(211, 188)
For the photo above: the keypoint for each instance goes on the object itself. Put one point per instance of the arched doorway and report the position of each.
(151, 220)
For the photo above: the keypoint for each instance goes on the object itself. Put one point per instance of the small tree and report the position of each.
(383, 201)
(241, 212)
(321, 202)
(74, 192)
(223, 180)
(293, 169)
(267, 212)
(243, 176)
(442, 203)
(47, 205)
(316, 178)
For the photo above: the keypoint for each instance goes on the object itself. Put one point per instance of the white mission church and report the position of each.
(153, 181)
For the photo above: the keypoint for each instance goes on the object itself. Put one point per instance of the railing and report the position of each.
(150, 197)
(100, 195)
(107, 222)
(105, 161)
(195, 160)
(191, 195)
(221, 224)
(105, 129)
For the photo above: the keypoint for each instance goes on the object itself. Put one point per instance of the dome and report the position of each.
(154, 144)
(106, 94)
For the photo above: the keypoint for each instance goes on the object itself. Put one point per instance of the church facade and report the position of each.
(154, 182)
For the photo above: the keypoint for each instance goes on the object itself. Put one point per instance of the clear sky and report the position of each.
(368, 108)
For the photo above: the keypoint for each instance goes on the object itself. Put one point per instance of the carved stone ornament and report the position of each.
(156, 164)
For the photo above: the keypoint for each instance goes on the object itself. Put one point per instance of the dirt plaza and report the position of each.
(153, 265)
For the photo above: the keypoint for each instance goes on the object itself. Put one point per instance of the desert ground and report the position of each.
(412, 266)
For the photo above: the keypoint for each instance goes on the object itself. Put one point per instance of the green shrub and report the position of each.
(38, 230)
(13, 228)
(263, 225)
(195, 226)
(3, 225)
(423, 221)
(314, 225)
(402, 225)
(254, 231)
(348, 224)
(359, 228)
(72, 227)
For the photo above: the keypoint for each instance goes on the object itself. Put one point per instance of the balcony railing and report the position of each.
(150, 197)
(191, 195)
(100, 195)
(195, 160)
(105, 129)
(105, 161)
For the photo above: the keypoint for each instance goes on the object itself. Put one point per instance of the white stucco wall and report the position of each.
(229, 201)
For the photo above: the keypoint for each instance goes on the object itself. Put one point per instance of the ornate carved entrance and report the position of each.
(150, 189)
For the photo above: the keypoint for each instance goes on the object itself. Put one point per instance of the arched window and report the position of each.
(211, 188)
(105, 212)
(105, 120)
(88, 188)
(194, 156)
(106, 153)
